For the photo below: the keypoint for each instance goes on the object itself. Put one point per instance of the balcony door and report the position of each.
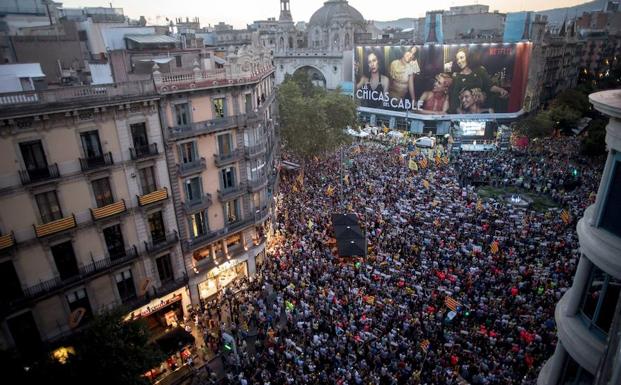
(225, 144)
(34, 158)
(156, 227)
(65, 261)
(91, 145)
(114, 242)
(139, 137)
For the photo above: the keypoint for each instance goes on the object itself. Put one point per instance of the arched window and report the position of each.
(347, 41)
(282, 42)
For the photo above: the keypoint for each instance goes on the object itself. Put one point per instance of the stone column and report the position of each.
(577, 289)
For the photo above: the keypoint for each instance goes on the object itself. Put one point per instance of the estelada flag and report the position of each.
(445, 160)
(565, 217)
(452, 303)
(494, 247)
(412, 165)
(424, 345)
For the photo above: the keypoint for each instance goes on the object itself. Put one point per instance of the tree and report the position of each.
(312, 120)
(565, 116)
(574, 100)
(539, 125)
(594, 143)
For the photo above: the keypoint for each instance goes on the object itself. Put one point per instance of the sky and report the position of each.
(239, 13)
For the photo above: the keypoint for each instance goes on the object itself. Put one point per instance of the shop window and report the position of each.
(114, 242)
(102, 192)
(600, 300)
(164, 268)
(65, 261)
(611, 220)
(125, 285)
(48, 206)
(79, 299)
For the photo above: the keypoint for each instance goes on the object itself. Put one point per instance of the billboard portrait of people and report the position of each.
(444, 79)
(372, 84)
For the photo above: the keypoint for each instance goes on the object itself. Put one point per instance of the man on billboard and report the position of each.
(373, 86)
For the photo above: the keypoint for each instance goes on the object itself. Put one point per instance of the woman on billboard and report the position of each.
(466, 77)
(472, 101)
(436, 101)
(402, 74)
(373, 87)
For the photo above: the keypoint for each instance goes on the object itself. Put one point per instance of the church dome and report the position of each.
(336, 11)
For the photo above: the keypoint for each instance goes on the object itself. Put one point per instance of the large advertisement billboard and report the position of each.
(443, 80)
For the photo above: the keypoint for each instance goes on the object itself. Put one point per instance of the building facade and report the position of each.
(585, 315)
(86, 214)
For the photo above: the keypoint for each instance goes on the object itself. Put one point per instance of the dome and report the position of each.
(335, 11)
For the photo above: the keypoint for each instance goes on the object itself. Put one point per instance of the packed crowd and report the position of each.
(319, 319)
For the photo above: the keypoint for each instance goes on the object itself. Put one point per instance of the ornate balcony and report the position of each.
(39, 175)
(54, 227)
(186, 169)
(144, 152)
(254, 150)
(260, 215)
(153, 197)
(96, 162)
(108, 211)
(224, 159)
(198, 204)
(203, 127)
(163, 243)
(230, 193)
(258, 184)
(7, 242)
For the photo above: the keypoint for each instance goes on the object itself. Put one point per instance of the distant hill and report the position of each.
(403, 23)
(557, 15)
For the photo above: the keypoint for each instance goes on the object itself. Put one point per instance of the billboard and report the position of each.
(435, 81)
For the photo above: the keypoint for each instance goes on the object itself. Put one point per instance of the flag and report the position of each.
(452, 303)
(426, 183)
(479, 205)
(412, 165)
(445, 160)
(494, 247)
(423, 163)
(330, 191)
(300, 178)
(565, 217)
(438, 160)
(436, 222)
(346, 179)
(424, 345)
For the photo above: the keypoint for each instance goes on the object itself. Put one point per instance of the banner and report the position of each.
(478, 80)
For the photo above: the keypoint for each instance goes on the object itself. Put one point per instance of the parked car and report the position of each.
(426, 141)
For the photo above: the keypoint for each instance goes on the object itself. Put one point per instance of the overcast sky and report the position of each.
(242, 12)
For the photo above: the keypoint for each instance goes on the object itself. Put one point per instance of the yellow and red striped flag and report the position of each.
(494, 247)
(330, 191)
(452, 303)
(423, 163)
(424, 345)
(565, 217)
(445, 160)
(479, 205)
(426, 183)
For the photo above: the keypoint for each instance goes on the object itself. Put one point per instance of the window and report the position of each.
(231, 211)
(611, 220)
(182, 114)
(256, 169)
(25, 332)
(248, 98)
(225, 144)
(114, 242)
(102, 191)
(178, 61)
(91, 145)
(193, 189)
(164, 268)
(228, 178)
(34, 157)
(79, 299)
(156, 227)
(64, 258)
(147, 180)
(574, 374)
(219, 107)
(48, 206)
(11, 287)
(125, 285)
(234, 241)
(139, 138)
(600, 301)
(198, 224)
(187, 152)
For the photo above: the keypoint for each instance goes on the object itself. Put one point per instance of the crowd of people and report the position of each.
(454, 289)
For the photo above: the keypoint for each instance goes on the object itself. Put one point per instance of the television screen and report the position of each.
(472, 128)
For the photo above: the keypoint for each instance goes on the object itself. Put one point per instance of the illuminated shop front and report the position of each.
(222, 276)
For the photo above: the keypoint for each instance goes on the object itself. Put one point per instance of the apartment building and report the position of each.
(87, 220)
(219, 129)
(587, 316)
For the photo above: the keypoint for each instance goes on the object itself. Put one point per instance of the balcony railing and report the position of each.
(7, 241)
(96, 267)
(39, 174)
(153, 197)
(78, 94)
(198, 204)
(109, 210)
(166, 288)
(230, 193)
(185, 169)
(212, 236)
(255, 185)
(231, 157)
(208, 79)
(203, 127)
(143, 151)
(255, 150)
(54, 227)
(93, 163)
(162, 243)
(260, 215)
